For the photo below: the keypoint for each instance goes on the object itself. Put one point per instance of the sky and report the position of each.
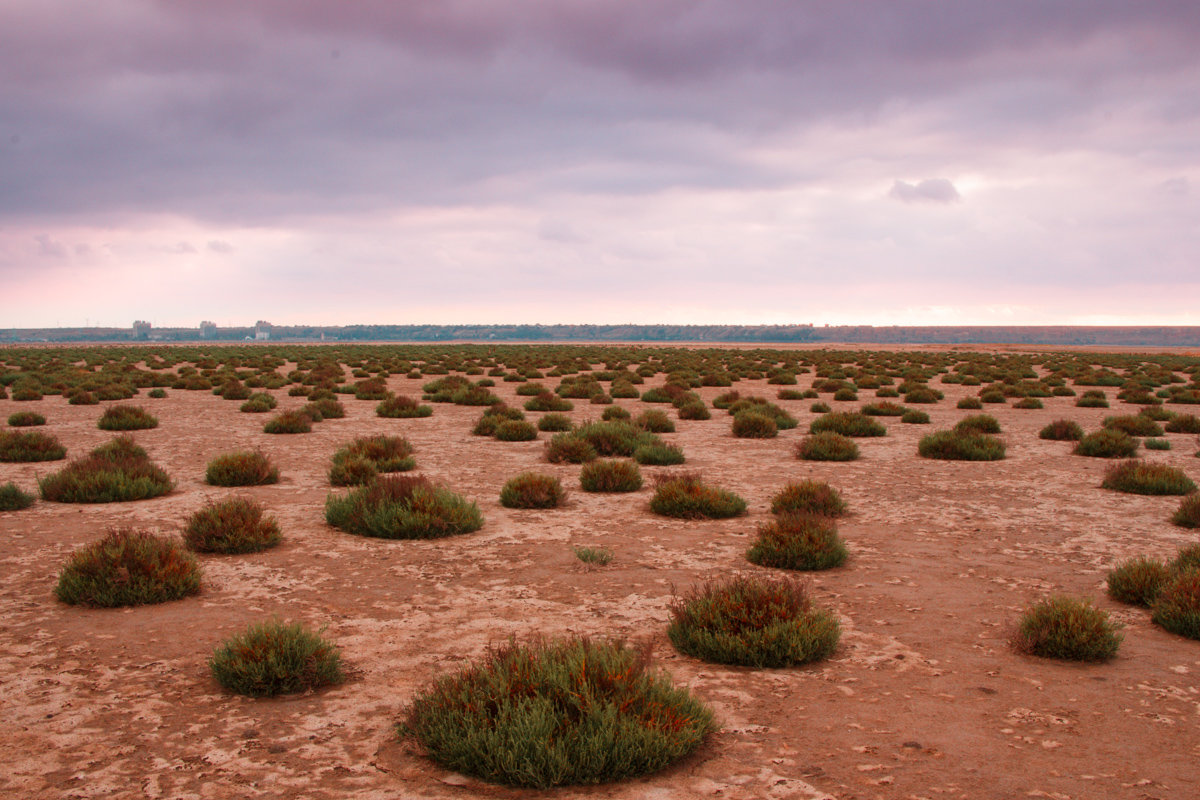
(599, 161)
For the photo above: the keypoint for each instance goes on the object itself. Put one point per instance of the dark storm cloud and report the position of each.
(229, 110)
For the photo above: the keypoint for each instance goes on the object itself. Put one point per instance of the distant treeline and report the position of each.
(1131, 336)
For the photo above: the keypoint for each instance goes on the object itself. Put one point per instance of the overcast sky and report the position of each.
(736, 161)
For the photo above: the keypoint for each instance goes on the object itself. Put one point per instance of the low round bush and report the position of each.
(1062, 430)
(292, 421)
(687, 496)
(1134, 425)
(13, 499)
(655, 421)
(800, 541)
(157, 393)
(659, 454)
(610, 476)
(616, 413)
(402, 507)
(516, 430)
(958, 446)
(30, 446)
(1188, 513)
(126, 418)
(241, 468)
(557, 713)
(1067, 628)
(1156, 444)
(533, 490)
(276, 657)
(548, 401)
(23, 419)
(754, 622)
(401, 407)
(1029, 403)
(847, 423)
(922, 394)
(128, 567)
(1140, 477)
(809, 496)
(827, 446)
(319, 411)
(1106, 443)
(555, 423)
(819, 408)
(1187, 558)
(915, 417)
(694, 410)
(115, 472)
(1137, 581)
(233, 525)
(750, 424)
(258, 403)
(969, 403)
(1092, 398)
(365, 457)
(492, 416)
(570, 448)
(1179, 423)
(978, 423)
(82, 398)
(884, 408)
(1177, 608)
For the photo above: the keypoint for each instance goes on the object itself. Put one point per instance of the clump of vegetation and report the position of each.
(616, 413)
(1062, 430)
(1137, 581)
(241, 468)
(570, 448)
(557, 713)
(820, 408)
(363, 459)
(318, 410)
(970, 403)
(556, 423)
(276, 657)
(29, 446)
(258, 403)
(847, 423)
(758, 405)
(686, 495)
(128, 567)
(750, 424)
(1067, 628)
(659, 454)
(1107, 443)
(114, 472)
(884, 408)
(548, 401)
(1179, 423)
(654, 421)
(24, 419)
(915, 417)
(600, 556)
(402, 507)
(956, 445)
(1156, 444)
(1177, 607)
(978, 423)
(13, 499)
(126, 418)
(81, 397)
(291, 421)
(1092, 398)
(800, 541)
(492, 416)
(809, 496)
(1188, 513)
(754, 622)
(1029, 403)
(516, 430)
(233, 525)
(532, 490)
(157, 393)
(827, 446)
(610, 476)
(1141, 477)
(1134, 425)
(402, 407)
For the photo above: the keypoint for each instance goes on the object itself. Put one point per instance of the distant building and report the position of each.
(141, 329)
(208, 330)
(262, 330)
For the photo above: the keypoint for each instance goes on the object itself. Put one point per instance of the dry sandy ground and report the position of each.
(923, 699)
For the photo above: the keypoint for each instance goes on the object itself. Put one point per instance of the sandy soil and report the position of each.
(924, 699)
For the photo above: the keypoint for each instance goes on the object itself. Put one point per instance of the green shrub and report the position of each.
(1107, 443)
(402, 407)
(1177, 607)
(809, 496)
(654, 421)
(685, 495)
(362, 459)
(847, 423)
(751, 424)
(1134, 425)
(754, 622)
(1180, 423)
(533, 490)
(827, 446)
(402, 507)
(157, 393)
(1187, 558)
(1137, 581)
(13, 499)
(978, 423)
(970, 403)
(914, 417)
(557, 713)
(922, 394)
(29, 446)
(548, 401)
(23, 419)
(798, 540)
(1029, 403)
(114, 472)
(289, 422)
(82, 398)
(819, 408)
(516, 430)
(956, 445)
(1156, 444)
(845, 395)
(659, 454)
(610, 476)
(242, 468)
(1188, 513)
(695, 410)
(884, 409)
(789, 394)
(991, 396)
(1067, 628)
(492, 417)
(555, 423)
(275, 657)
(1093, 398)
(613, 438)
(128, 568)
(1141, 477)
(570, 448)
(233, 525)
(600, 556)
(258, 403)
(126, 418)
(318, 410)
(616, 413)
(1062, 430)
(757, 405)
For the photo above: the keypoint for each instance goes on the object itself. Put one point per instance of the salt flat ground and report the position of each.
(924, 699)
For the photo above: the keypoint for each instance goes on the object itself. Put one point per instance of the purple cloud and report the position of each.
(930, 190)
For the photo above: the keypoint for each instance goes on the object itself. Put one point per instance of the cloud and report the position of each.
(930, 190)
